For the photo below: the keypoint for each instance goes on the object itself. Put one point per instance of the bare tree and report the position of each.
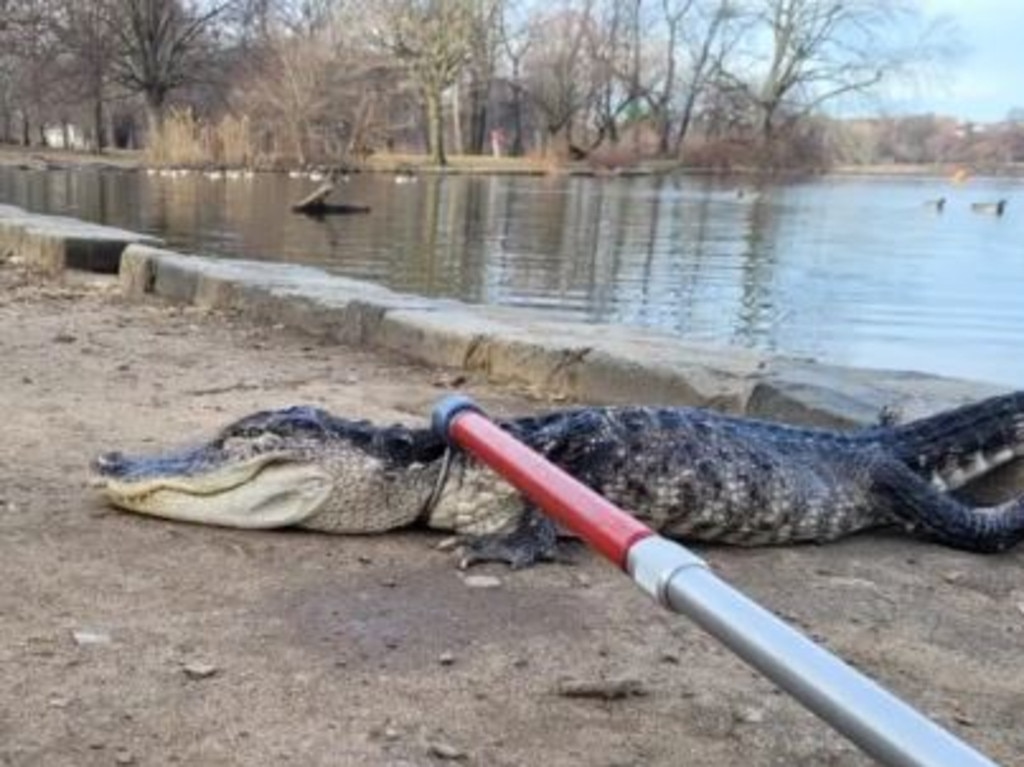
(85, 55)
(481, 66)
(515, 39)
(290, 90)
(820, 50)
(162, 46)
(560, 78)
(615, 48)
(434, 40)
(708, 37)
(29, 51)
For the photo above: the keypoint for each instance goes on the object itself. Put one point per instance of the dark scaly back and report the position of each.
(703, 475)
(956, 446)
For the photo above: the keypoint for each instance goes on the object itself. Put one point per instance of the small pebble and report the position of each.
(446, 751)
(446, 658)
(749, 715)
(197, 670)
(602, 689)
(83, 638)
(482, 581)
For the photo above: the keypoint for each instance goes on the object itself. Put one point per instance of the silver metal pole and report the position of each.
(883, 726)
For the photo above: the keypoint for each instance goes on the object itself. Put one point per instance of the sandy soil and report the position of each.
(126, 640)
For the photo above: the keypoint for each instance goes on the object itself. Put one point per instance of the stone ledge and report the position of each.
(594, 363)
(54, 243)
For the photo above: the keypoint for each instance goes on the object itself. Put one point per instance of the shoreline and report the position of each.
(570, 359)
(41, 159)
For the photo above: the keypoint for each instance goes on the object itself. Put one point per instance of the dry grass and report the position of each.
(186, 141)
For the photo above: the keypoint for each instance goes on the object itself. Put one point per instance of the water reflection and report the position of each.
(852, 271)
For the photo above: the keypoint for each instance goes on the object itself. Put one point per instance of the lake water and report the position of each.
(851, 271)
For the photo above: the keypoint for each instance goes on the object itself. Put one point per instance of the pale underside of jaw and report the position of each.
(264, 492)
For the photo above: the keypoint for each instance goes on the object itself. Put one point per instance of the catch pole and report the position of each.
(880, 724)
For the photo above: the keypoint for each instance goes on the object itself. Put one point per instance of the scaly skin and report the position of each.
(690, 473)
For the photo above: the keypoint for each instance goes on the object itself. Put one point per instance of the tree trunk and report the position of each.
(685, 120)
(517, 112)
(457, 142)
(435, 126)
(664, 132)
(478, 100)
(154, 117)
(98, 126)
(559, 143)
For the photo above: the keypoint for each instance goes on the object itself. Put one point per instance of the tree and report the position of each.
(708, 37)
(481, 65)
(821, 50)
(162, 46)
(28, 52)
(86, 56)
(514, 36)
(560, 77)
(614, 48)
(434, 39)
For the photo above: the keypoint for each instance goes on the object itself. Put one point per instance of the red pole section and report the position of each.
(567, 501)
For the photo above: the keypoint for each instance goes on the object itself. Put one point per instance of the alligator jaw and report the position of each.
(264, 492)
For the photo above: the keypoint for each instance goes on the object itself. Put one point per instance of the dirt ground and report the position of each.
(126, 640)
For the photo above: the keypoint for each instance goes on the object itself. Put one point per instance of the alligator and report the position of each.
(691, 473)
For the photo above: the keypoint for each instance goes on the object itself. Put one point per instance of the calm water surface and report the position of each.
(853, 271)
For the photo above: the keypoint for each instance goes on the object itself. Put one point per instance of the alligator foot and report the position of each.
(533, 539)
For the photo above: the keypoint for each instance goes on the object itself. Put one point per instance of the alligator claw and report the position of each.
(534, 539)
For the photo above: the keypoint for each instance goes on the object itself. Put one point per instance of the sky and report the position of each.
(987, 80)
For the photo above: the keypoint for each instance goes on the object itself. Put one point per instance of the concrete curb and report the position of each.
(54, 243)
(594, 363)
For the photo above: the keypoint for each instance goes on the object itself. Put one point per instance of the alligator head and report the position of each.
(299, 466)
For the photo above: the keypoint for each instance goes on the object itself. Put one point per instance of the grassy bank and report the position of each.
(39, 158)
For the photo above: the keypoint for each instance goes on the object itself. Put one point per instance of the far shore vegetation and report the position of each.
(493, 86)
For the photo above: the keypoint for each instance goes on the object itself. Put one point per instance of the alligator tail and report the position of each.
(921, 508)
(957, 446)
